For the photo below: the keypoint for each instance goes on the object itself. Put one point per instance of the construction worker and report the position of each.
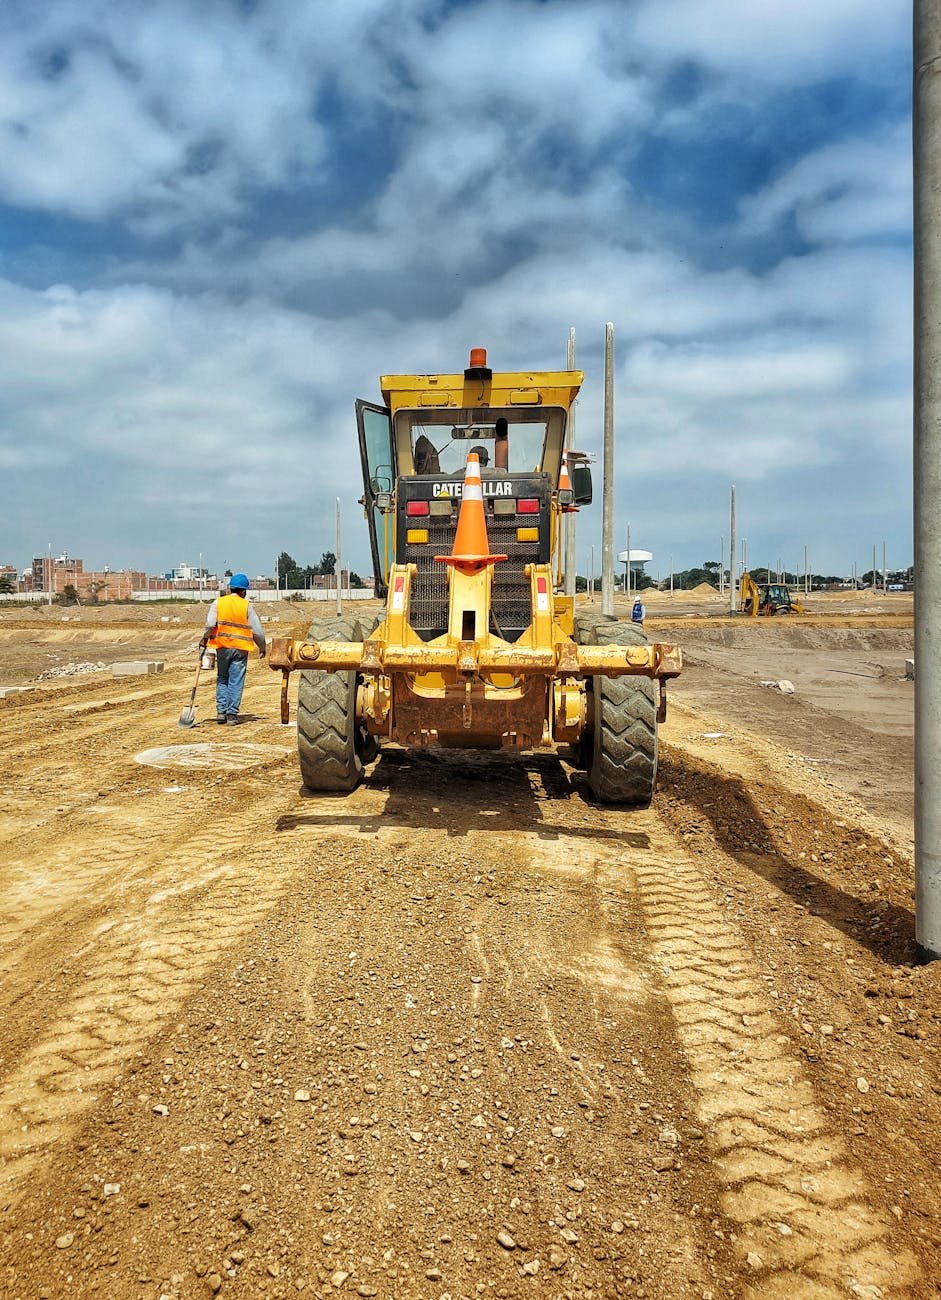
(233, 631)
(639, 612)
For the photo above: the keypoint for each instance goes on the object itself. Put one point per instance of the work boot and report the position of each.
(233, 719)
(220, 718)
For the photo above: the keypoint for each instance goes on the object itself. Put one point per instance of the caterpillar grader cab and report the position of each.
(466, 483)
(767, 600)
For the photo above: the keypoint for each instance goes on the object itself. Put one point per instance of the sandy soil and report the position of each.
(464, 1032)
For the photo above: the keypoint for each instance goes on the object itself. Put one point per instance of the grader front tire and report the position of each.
(329, 745)
(622, 756)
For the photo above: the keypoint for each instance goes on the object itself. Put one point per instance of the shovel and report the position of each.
(188, 716)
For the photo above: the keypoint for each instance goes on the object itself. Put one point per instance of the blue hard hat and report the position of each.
(240, 581)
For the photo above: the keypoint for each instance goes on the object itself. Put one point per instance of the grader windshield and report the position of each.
(438, 441)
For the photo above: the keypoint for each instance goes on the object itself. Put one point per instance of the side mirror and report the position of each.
(581, 484)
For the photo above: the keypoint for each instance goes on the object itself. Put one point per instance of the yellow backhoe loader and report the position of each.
(767, 599)
(466, 482)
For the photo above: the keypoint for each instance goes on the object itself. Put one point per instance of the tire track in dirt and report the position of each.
(804, 1215)
(188, 906)
(504, 1004)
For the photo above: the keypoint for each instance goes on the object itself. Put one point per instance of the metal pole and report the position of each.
(732, 555)
(927, 448)
(873, 566)
(627, 572)
(570, 562)
(607, 509)
(671, 575)
(885, 572)
(339, 563)
(721, 566)
(591, 587)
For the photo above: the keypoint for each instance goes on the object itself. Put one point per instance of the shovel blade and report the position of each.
(188, 716)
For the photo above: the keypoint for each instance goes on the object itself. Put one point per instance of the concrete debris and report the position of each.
(71, 670)
(13, 690)
(909, 670)
(784, 686)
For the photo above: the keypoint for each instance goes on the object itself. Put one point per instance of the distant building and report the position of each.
(52, 576)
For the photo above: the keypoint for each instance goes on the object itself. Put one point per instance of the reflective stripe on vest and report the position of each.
(233, 630)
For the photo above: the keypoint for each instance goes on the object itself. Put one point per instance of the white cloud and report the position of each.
(847, 191)
(500, 213)
(775, 41)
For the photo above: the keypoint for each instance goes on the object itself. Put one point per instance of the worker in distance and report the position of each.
(233, 631)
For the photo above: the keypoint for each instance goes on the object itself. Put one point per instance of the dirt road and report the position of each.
(463, 1032)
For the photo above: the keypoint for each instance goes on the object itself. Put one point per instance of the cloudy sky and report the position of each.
(220, 222)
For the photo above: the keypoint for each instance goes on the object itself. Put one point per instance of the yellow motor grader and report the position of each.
(466, 483)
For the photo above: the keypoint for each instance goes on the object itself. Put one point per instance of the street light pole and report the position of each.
(570, 561)
(607, 500)
(927, 448)
(339, 563)
(732, 555)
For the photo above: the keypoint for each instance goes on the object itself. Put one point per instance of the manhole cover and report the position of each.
(230, 758)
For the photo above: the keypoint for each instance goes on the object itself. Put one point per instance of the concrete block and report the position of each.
(137, 668)
(909, 670)
(13, 690)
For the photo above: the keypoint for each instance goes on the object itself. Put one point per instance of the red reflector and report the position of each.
(399, 584)
(541, 586)
(416, 507)
(528, 506)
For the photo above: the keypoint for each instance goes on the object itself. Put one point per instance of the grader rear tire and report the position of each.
(622, 753)
(330, 746)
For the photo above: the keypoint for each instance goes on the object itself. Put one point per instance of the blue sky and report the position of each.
(220, 223)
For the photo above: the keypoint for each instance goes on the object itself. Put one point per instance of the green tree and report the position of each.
(7, 583)
(328, 563)
(286, 564)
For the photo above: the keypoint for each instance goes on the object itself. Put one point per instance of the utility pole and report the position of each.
(627, 571)
(570, 563)
(885, 571)
(671, 577)
(744, 555)
(607, 507)
(927, 448)
(873, 583)
(732, 555)
(721, 566)
(339, 563)
(806, 588)
(591, 579)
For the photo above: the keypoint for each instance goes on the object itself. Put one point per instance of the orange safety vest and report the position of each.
(233, 630)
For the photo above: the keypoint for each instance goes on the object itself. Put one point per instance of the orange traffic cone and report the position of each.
(471, 551)
(565, 485)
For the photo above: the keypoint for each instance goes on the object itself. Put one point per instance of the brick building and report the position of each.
(54, 575)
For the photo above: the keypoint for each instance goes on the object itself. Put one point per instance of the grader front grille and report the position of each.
(511, 590)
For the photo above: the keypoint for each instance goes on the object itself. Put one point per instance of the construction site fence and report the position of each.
(322, 595)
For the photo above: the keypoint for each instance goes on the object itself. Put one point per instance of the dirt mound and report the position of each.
(704, 589)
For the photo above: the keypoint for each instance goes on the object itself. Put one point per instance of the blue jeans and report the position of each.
(230, 679)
